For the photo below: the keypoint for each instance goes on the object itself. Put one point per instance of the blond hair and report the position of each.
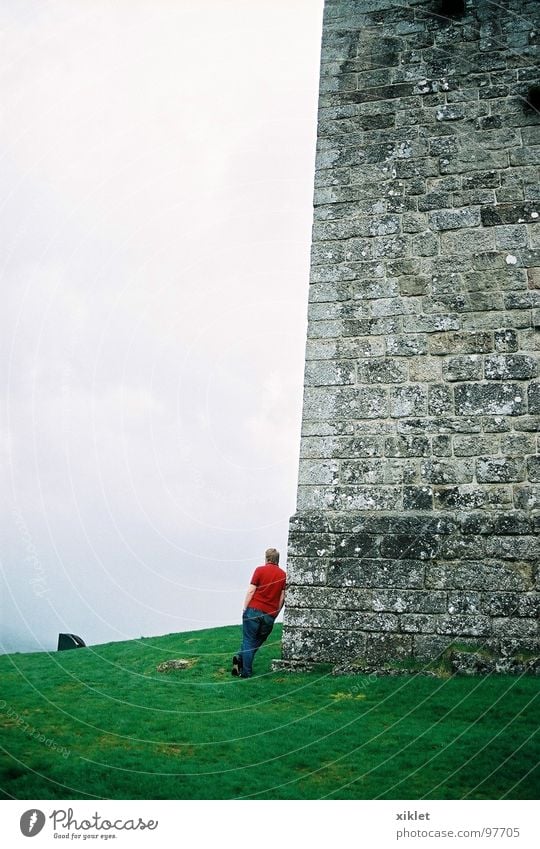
(272, 555)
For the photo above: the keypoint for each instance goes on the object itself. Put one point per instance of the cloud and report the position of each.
(155, 196)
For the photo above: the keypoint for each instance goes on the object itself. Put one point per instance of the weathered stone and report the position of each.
(499, 470)
(505, 340)
(440, 400)
(406, 446)
(462, 548)
(322, 645)
(344, 620)
(480, 575)
(460, 343)
(446, 471)
(471, 446)
(534, 398)
(418, 623)
(526, 548)
(417, 498)
(419, 477)
(409, 547)
(401, 601)
(350, 599)
(465, 602)
(503, 399)
(304, 571)
(324, 373)
(173, 665)
(369, 471)
(408, 401)
(508, 367)
(376, 573)
(465, 367)
(510, 213)
(380, 648)
(382, 371)
(533, 469)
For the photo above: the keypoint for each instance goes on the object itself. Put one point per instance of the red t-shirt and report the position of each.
(270, 581)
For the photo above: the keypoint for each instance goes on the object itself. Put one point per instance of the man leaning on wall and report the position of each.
(264, 599)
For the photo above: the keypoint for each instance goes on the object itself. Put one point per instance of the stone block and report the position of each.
(527, 423)
(360, 497)
(425, 244)
(418, 623)
(406, 446)
(306, 571)
(361, 446)
(506, 340)
(522, 548)
(385, 648)
(514, 627)
(376, 573)
(533, 394)
(314, 544)
(324, 373)
(510, 213)
(441, 445)
(406, 345)
(417, 498)
(322, 645)
(403, 546)
(368, 471)
(522, 300)
(460, 343)
(344, 620)
(499, 470)
(430, 648)
(408, 401)
(384, 370)
(463, 602)
(462, 548)
(451, 471)
(480, 575)
(403, 601)
(533, 469)
(394, 523)
(471, 446)
(463, 367)
(440, 400)
(345, 403)
(433, 323)
(511, 523)
(500, 399)
(317, 472)
(454, 219)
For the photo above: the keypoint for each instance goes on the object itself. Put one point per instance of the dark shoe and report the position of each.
(236, 665)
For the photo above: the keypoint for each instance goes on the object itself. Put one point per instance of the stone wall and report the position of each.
(419, 484)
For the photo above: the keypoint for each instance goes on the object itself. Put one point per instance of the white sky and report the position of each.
(156, 178)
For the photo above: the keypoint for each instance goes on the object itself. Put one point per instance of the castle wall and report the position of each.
(419, 485)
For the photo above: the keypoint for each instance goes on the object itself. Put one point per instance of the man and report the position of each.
(264, 599)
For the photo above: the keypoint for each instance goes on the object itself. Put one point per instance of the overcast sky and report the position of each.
(156, 182)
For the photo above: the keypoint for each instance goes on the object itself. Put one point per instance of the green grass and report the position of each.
(113, 727)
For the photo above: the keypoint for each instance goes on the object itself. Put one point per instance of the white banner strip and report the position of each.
(285, 824)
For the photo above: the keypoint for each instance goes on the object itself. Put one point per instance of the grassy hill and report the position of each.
(101, 722)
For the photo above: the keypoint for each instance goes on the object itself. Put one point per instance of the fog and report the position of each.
(156, 200)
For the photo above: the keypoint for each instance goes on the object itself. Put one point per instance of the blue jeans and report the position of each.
(256, 628)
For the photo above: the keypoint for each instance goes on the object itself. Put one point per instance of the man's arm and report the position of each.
(249, 595)
(281, 601)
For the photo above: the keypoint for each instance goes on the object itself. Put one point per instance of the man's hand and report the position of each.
(249, 595)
